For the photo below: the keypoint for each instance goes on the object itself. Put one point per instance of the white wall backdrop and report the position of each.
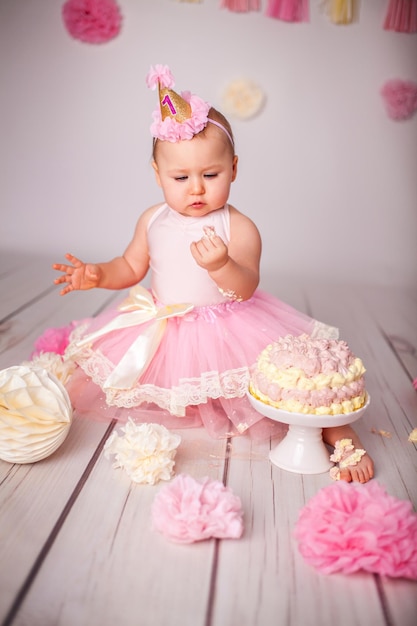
(329, 179)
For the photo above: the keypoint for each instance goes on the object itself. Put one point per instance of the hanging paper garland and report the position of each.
(288, 10)
(92, 21)
(241, 6)
(401, 16)
(340, 11)
(400, 98)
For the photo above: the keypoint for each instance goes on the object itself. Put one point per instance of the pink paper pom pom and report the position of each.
(349, 527)
(92, 21)
(53, 340)
(188, 510)
(400, 98)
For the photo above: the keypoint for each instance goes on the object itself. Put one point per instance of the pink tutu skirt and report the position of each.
(199, 373)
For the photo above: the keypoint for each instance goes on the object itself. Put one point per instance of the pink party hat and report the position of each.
(178, 116)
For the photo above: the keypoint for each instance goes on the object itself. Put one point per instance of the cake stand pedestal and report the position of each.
(303, 450)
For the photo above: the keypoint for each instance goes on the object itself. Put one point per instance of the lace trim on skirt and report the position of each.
(190, 391)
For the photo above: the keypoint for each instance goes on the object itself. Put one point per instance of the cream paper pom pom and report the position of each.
(243, 99)
(55, 364)
(145, 451)
(35, 413)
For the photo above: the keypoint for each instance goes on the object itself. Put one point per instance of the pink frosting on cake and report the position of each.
(307, 375)
(313, 356)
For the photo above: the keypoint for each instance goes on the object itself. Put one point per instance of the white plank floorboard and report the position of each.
(117, 569)
(19, 332)
(265, 566)
(76, 543)
(393, 399)
(33, 500)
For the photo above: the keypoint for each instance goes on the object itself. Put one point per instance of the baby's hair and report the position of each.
(223, 124)
(217, 118)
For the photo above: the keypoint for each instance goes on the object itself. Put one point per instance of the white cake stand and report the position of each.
(303, 450)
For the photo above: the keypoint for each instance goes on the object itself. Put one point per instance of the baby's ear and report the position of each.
(155, 168)
(235, 160)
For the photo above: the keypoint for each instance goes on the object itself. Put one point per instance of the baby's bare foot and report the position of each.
(361, 472)
(354, 463)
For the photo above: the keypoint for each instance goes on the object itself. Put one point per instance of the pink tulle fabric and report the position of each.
(349, 527)
(53, 340)
(400, 97)
(171, 130)
(188, 510)
(415, 383)
(401, 16)
(288, 10)
(200, 372)
(241, 6)
(159, 75)
(92, 21)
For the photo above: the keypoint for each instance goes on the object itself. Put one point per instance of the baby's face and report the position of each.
(196, 174)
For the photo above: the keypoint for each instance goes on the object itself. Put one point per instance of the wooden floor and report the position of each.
(76, 544)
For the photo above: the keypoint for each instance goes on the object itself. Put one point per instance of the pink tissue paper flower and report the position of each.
(53, 340)
(347, 527)
(400, 98)
(188, 510)
(92, 21)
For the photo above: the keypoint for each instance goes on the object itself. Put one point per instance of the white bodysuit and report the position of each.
(170, 235)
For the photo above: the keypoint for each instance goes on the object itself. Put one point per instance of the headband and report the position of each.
(178, 116)
(223, 128)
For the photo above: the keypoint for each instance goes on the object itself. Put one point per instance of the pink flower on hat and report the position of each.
(159, 74)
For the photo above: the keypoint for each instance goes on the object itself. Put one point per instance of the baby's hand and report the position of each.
(210, 252)
(78, 275)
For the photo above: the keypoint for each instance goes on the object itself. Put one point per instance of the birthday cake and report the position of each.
(306, 375)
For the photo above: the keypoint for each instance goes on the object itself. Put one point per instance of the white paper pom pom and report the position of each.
(145, 451)
(35, 414)
(243, 99)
